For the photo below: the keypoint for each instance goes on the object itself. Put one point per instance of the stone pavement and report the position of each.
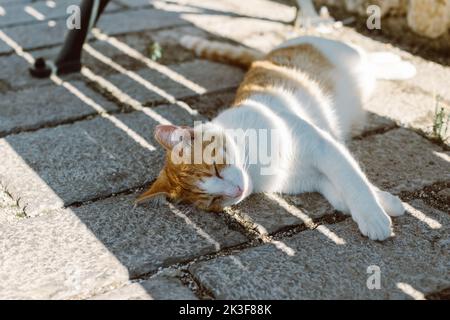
(75, 153)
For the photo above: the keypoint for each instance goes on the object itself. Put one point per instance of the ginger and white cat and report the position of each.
(311, 90)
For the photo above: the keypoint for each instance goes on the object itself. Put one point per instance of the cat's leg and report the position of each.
(333, 196)
(335, 162)
(390, 203)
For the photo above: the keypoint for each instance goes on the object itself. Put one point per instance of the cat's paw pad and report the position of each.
(376, 225)
(391, 204)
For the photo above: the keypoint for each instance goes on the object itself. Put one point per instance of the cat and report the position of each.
(309, 89)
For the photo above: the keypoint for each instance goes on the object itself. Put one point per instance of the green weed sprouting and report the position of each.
(155, 51)
(441, 120)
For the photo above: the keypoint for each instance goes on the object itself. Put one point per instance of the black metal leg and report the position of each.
(69, 58)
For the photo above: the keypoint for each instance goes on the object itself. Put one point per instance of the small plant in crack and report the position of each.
(441, 121)
(155, 51)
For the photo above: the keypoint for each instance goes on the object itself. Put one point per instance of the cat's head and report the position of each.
(202, 168)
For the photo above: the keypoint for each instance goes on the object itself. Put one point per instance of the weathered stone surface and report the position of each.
(445, 194)
(320, 269)
(360, 6)
(3, 2)
(255, 33)
(401, 160)
(431, 77)
(15, 74)
(17, 13)
(262, 9)
(429, 18)
(139, 20)
(89, 159)
(168, 39)
(30, 109)
(78, 252)
(220, 76)
(270, 213)
(157, 288)
(407, 106)
(376, 122)
(34, 36)
(41, 34)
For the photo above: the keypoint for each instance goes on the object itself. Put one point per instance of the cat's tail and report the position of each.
(389, 66)
(222, 52)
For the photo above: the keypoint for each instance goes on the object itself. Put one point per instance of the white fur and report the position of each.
(314, 157)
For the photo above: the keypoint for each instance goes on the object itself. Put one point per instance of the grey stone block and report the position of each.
(82, 251)
(157, 288)
(15, 74)
(59, 166)
(417, 257)
(259, 34)
(220, 76)
(139, 20)
(17, 13)
(270, 213)
(35, 36)
(408, 106)
(262, 9)
(42, 35)
(42, 106)
(401, 160)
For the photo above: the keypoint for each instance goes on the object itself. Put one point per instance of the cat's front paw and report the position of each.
(392, 204)
(374, 223)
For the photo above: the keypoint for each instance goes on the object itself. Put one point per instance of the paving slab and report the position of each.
(35, 36)
(414, 262)
(139, 20)
(42, 34)
(80, 251)
(391, 161)
(168, 39)
(44, 106)
(408, 106)
(16, 13)
(15, 75)
(220, 77)
(157, 288)
(4, 2)
(270, 214)
(56, 167)
(401, 160)
(255, 33)
(261, 9)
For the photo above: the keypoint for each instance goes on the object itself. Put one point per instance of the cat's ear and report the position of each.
(159, 189)
(169, 135)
